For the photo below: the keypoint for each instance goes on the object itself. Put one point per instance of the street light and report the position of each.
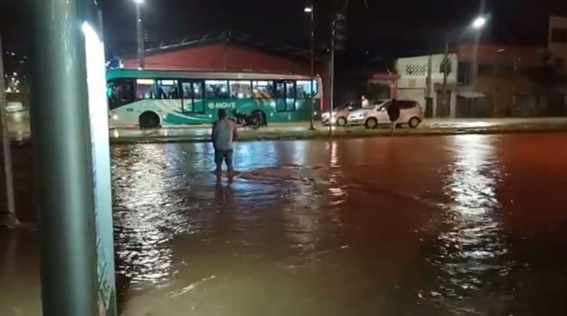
(477, 24)
(141, 61)
(311, 13)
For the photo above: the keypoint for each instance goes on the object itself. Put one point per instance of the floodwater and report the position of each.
(456, 225)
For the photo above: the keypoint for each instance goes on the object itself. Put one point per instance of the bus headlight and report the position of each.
(115, 117)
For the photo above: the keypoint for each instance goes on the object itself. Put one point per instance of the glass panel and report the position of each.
(167, 89)
(120, 92)
(291, 93)
(198, 102)
(280, 97)
(240, 89)
(216, 89)
(263, 89)
(145, 89)
(198, 89)
(304, 89)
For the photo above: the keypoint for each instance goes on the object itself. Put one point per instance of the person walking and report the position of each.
(223, 136)
(394, 115)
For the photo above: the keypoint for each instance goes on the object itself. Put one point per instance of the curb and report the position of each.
(338, 134)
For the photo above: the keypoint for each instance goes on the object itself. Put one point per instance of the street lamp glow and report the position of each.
(308, 9)
(479, 22)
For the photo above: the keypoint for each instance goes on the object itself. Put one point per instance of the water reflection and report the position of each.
(471, 250)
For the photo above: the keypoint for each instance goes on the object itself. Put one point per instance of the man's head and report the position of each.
(222, 114)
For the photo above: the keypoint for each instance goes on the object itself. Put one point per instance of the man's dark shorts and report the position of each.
(226, 156)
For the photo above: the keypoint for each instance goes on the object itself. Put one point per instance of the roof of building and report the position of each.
(234, 38)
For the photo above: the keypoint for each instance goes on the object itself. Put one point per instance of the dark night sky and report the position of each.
(385, 28)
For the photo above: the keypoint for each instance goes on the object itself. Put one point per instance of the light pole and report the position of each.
(311, 12)
(477, 24)
(141, 61)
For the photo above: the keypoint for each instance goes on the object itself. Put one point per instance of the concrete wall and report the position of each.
(558, 50)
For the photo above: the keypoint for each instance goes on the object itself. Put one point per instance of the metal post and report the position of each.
(332, 77)
(312, 122)
(61, 132)
(12, 220)
(445, 74)
(141, 50)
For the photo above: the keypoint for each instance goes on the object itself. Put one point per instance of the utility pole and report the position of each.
(9, 180)
(338, 37)
(312, 122)
(140, 30)
(446, 67)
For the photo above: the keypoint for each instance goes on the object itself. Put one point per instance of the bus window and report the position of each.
(120, 92)
(240, 89)
(167, 89)
(145, 89)
(290, 96)
(216, 89)
(192, 96)
(263, 89)
(304, 87)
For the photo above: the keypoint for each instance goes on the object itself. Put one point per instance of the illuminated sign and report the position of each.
(98, 112)
(221, 105)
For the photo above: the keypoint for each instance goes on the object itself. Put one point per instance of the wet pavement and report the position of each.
(19, 128)
(449, 225)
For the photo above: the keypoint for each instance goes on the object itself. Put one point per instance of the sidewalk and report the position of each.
(20, 131)
(301, 130)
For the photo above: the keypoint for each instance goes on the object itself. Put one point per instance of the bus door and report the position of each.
(192, 101)
(285, 95)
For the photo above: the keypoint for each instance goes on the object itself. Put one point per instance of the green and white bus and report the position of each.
(151, 98)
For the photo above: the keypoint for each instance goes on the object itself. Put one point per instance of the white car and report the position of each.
(359, 116)
(411, 113)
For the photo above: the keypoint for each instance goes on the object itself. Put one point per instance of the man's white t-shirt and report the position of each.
(223, 134)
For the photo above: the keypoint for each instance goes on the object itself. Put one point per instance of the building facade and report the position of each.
(557, 40)
(421, 80)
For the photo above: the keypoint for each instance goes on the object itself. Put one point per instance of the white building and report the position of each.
(557, 40)
(421, 79)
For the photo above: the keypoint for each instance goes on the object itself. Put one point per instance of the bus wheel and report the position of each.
(262, 116)
(149, 120)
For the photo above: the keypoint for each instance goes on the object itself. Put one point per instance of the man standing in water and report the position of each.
(223, 137)
(394, 115)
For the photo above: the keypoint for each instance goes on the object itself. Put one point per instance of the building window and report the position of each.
(145, 89)
(216, 89)
(263, 89)
(445, 63)
(167, 89)
(559, 36)
(240, 89)
(464, 72)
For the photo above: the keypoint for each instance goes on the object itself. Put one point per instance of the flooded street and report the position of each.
(455, 225)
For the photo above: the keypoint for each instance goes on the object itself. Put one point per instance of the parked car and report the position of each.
(411, 114)
(358, 117)
(339, 115)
